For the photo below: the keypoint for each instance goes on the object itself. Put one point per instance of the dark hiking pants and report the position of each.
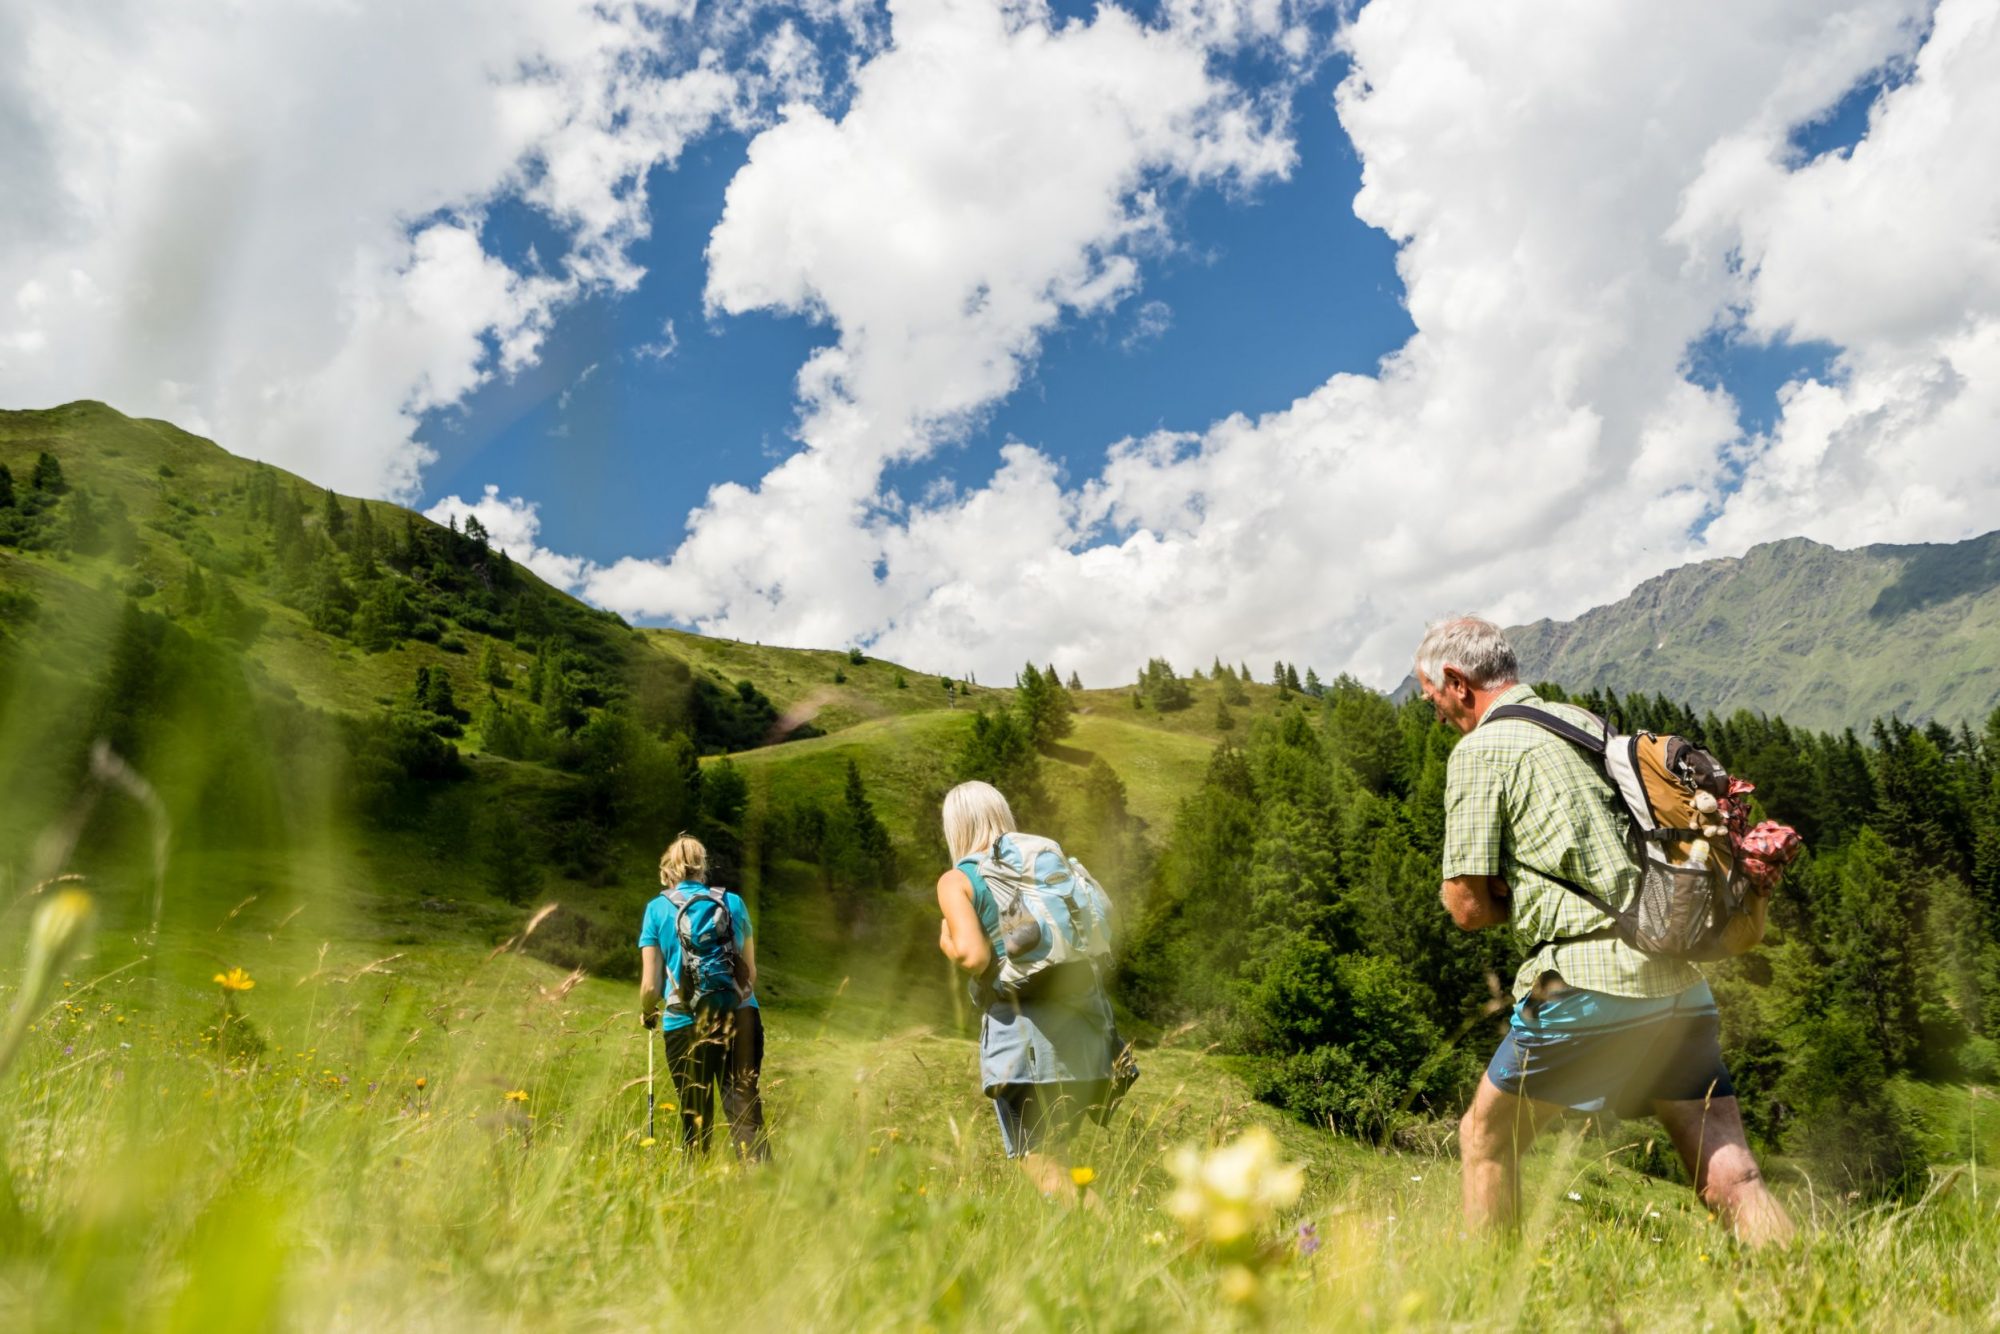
(727, 1050)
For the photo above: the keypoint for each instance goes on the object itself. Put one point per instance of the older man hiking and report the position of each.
(1598, 1025)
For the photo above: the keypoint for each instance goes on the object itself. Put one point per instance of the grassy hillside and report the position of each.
(1827, 638)
(429, 1111)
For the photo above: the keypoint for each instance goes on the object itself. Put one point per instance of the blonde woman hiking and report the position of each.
(698, 983)
(1034, 930)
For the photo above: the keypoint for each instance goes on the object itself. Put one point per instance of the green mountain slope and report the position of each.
(263, 587)
(1827, 638)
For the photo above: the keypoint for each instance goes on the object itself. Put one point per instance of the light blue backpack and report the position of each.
(1051, 911)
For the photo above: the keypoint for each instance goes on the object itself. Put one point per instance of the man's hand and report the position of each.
(649, 1008)
(1475, 902)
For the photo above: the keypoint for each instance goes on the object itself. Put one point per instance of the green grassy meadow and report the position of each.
(413, 1120)
(441, 1133)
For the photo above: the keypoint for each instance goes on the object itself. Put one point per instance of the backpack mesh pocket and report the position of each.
(1677, 911)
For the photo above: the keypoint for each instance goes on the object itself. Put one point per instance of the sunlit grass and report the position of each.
(450, 1140)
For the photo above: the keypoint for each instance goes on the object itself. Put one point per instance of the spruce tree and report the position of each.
(333, 518)
(1313, 686)
(6, 488)
(48, 476)
(560, 709)
(901, 683)
(491, 670)
(1243, 674)
(1075, 681)
(1045, 707)
(538, 674)
(363, 548)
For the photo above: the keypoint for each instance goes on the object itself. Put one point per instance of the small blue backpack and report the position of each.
(711, 971)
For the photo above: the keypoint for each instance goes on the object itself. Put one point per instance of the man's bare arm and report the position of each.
(1475, 902)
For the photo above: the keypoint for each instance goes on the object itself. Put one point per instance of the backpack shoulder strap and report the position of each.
(1548, 722)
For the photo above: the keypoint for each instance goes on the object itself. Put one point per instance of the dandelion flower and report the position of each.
(235, 980)
(517, 1095)
(1082, 1176)
(422, 1082)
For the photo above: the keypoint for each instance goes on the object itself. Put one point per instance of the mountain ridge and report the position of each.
(1824, 636)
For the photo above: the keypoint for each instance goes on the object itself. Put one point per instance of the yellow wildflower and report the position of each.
(422, 1082)
(1082, 1176)
(648, 1142)
(235, 980)
(517, 1095)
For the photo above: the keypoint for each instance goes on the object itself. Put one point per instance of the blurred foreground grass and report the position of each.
(450, 1138)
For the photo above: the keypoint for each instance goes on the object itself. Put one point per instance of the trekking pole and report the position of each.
(649, 1081)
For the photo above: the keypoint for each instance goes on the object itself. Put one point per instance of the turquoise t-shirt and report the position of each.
(984, 904)
(657, 928)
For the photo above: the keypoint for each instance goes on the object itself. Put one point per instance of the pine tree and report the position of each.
(1045, 707)
(420, 691)
(48, 476)
(1075, 681)
(1162, 689)
(511, 872)
(901, 683)
(872, 838)
(6, 488)
(363, 548)
(538, 674)
(333, 518)
(1313, 686)
(1243, 674)
(1224, 720)
(491, 670)
(560, 709)
(1217, 670)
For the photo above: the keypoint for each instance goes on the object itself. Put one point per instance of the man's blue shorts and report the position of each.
(1594, 1052)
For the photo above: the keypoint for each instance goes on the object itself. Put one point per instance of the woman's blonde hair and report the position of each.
(684, 859)
(974, 815)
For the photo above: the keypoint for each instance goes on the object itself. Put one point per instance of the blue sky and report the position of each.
(1267, 328)
(1267, 292)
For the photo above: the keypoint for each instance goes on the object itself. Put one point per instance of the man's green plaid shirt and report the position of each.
(1519, 801)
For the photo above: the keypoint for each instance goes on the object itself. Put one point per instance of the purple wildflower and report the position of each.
(1308, 1240)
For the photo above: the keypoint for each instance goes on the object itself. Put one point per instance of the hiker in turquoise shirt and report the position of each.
(713, 1046)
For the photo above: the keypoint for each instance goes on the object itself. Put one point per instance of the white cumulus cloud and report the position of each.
(993, 174)
(267, 222)
(1579, 193)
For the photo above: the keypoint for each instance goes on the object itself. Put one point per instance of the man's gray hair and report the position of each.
(1475, 647)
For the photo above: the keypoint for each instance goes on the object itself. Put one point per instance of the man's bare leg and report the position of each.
(1492, 1135)
(1709, 1135)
